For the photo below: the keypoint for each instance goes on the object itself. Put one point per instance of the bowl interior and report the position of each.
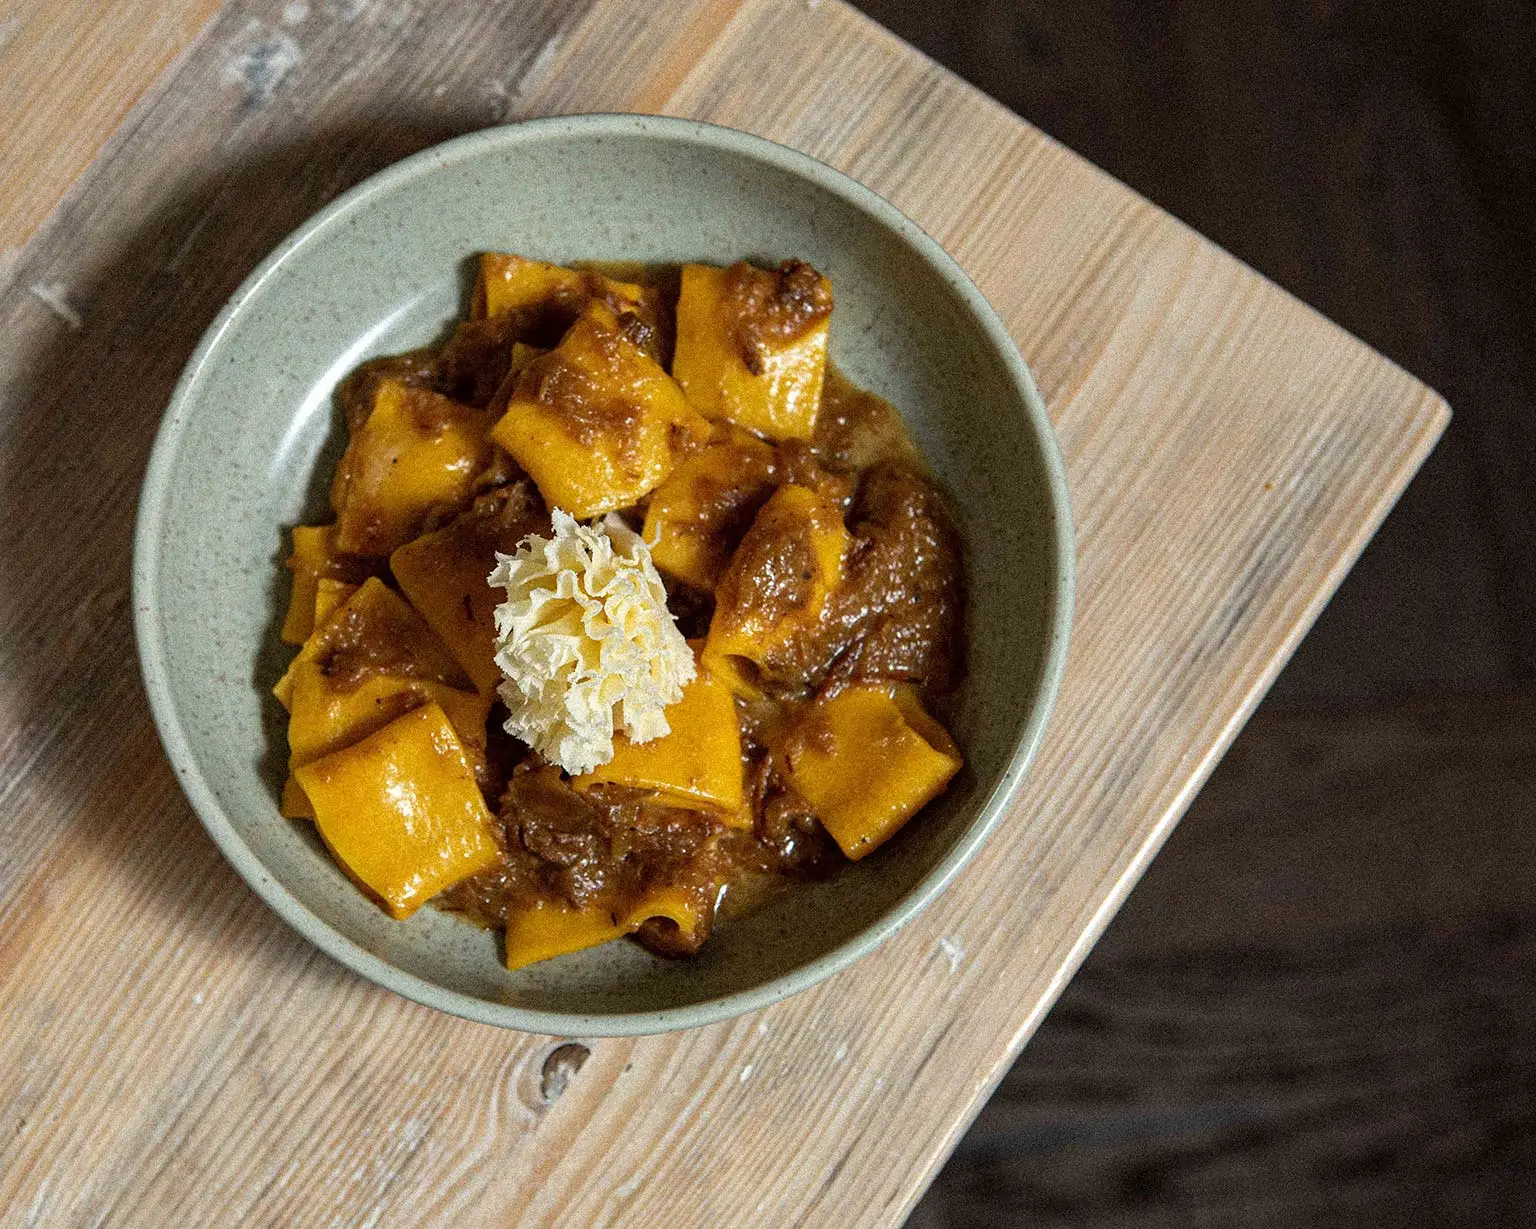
(252, 435)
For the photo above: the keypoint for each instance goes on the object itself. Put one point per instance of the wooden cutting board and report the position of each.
(170, 1053)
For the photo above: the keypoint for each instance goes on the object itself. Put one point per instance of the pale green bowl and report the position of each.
(250, 434)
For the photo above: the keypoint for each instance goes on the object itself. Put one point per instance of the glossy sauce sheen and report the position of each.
(774, 307)
(895, 614)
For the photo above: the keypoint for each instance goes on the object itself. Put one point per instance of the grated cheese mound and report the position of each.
(586, 642)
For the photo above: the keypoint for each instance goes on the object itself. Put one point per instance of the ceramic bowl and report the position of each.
(251, 433)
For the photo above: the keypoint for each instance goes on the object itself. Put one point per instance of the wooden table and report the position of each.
(170, 1053)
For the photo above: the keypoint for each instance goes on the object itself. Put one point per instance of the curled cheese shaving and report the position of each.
(586, 642)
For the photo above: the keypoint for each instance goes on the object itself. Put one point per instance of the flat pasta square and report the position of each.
(443, 573)
(597, 422)
(416, 455)
(867, 760)
(775, 587)
(401, 810)
(752, 345)
(548, 928)
(543, 299)
(696, 764)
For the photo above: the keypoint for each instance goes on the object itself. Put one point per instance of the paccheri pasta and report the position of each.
(726, 609)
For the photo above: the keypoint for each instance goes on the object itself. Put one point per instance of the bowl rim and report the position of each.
(149, 628)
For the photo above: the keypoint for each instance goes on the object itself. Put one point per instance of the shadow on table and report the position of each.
(86, 395)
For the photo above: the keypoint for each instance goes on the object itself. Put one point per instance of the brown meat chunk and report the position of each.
(856, 429)
(904, 598)
(475, 360)
(897, 613)
(568, 837)
(607, 840)
(501, 518)
(771, 309)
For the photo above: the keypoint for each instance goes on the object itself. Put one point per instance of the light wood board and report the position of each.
(170, 1053)
(69, 72)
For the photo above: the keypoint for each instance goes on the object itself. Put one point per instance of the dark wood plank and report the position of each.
(1417, 813)
(1375, 159)
(1319, 1006)
(1383, 1079)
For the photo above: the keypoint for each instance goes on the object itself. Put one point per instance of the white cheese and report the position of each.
(586, 642)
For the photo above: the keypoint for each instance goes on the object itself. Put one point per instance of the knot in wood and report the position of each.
(560, 1068)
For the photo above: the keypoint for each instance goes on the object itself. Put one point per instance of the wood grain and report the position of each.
(1374, 158)
(1318, 1006)
(69, 72)
(1351, 1081)
(1411, 814)
(171, 1053)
